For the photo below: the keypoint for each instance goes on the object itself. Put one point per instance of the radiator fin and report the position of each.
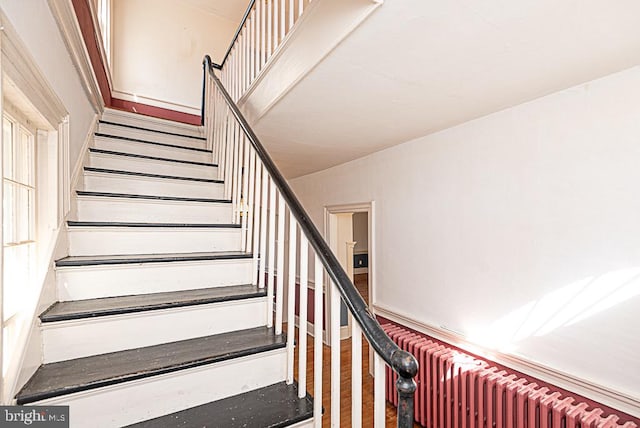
(456, 390)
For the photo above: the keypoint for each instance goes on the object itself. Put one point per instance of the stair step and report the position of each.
(72, 223)
(146, 174)
(140, 128)
(155, 143)
(90, 238)
(155, 124)
(91, 277)
(91, 308)
(82, 328)
(83, 374)
(129, 182)
(149, 258)
(150, 197)
(274, 406)
(151, 164)
(150, 148)
(157, 158)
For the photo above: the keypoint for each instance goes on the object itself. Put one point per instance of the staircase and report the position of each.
(159, 323)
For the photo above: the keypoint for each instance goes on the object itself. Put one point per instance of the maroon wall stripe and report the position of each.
(159, 112)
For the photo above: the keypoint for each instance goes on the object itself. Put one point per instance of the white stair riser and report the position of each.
(159, 137)
(127, 118)
(151, 211)
(67, 340)
(89, 282)
(126, 146)
(105, 182)
(127, 403)
(134, 240)
(101, 160)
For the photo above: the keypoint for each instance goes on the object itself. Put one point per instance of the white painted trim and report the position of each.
(591, 390)
(83, 158)
(128, 96)
(103, 56)
(24, 71)
(322, 26)
(65, 17)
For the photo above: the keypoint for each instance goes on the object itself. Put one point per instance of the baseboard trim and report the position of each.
(614, 399)
(168, 105)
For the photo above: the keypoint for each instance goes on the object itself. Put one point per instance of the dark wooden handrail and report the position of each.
(400, 361)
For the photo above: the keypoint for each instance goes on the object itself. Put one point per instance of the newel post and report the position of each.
(407, 367)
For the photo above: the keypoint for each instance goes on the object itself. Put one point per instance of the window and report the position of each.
(18, 211)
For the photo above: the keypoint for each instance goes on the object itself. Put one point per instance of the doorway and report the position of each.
(349, 233)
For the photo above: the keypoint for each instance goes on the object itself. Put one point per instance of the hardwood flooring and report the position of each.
(361, 283)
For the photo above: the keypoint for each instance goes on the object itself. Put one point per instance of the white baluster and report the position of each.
(291, 10)
(272, 250)
(250, 197)
(263, 32)
(282, 19)
(239, 172)
(257, 231)
(263, 229)
(276, 19)
(244, 196)
(252, 50)
(356, 374)
(235, 173)
(269, 25)
(379, 417)
(280, 264)
(318, 304)
(302, 316)
(291, 296)
(335, 356)
(300, 7)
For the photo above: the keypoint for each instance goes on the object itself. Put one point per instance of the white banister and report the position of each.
(378, 391)
(335, 355)
(302, 317)
(318, 307)
(262, 202)
(291, 296)
(356, 374)
(271, 251)
(263, 230)
(257, 230)
(280, 264)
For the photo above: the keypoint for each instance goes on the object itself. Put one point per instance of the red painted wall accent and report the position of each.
(89, 34)
(159, 112)
(91, 40)
(624, 417)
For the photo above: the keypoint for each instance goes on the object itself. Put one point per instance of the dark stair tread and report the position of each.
(141, 128)
(147, 174)
(134, 155)
(91, 308)
(151, 197)
(155, 143)
(274, 406)
(73, 223)
(82, 374)
(150, 258)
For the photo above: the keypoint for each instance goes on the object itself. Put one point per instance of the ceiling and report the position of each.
(232, 10)
(418, 66)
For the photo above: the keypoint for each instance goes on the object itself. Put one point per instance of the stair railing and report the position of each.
(264, 27)
(262, 202)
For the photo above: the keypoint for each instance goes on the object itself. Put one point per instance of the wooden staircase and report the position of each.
(159, 323)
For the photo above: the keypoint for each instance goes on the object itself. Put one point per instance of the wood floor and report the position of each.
(345, 378)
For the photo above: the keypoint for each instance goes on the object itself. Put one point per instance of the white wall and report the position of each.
(158, 46)
(519, 229)
(38, 30)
